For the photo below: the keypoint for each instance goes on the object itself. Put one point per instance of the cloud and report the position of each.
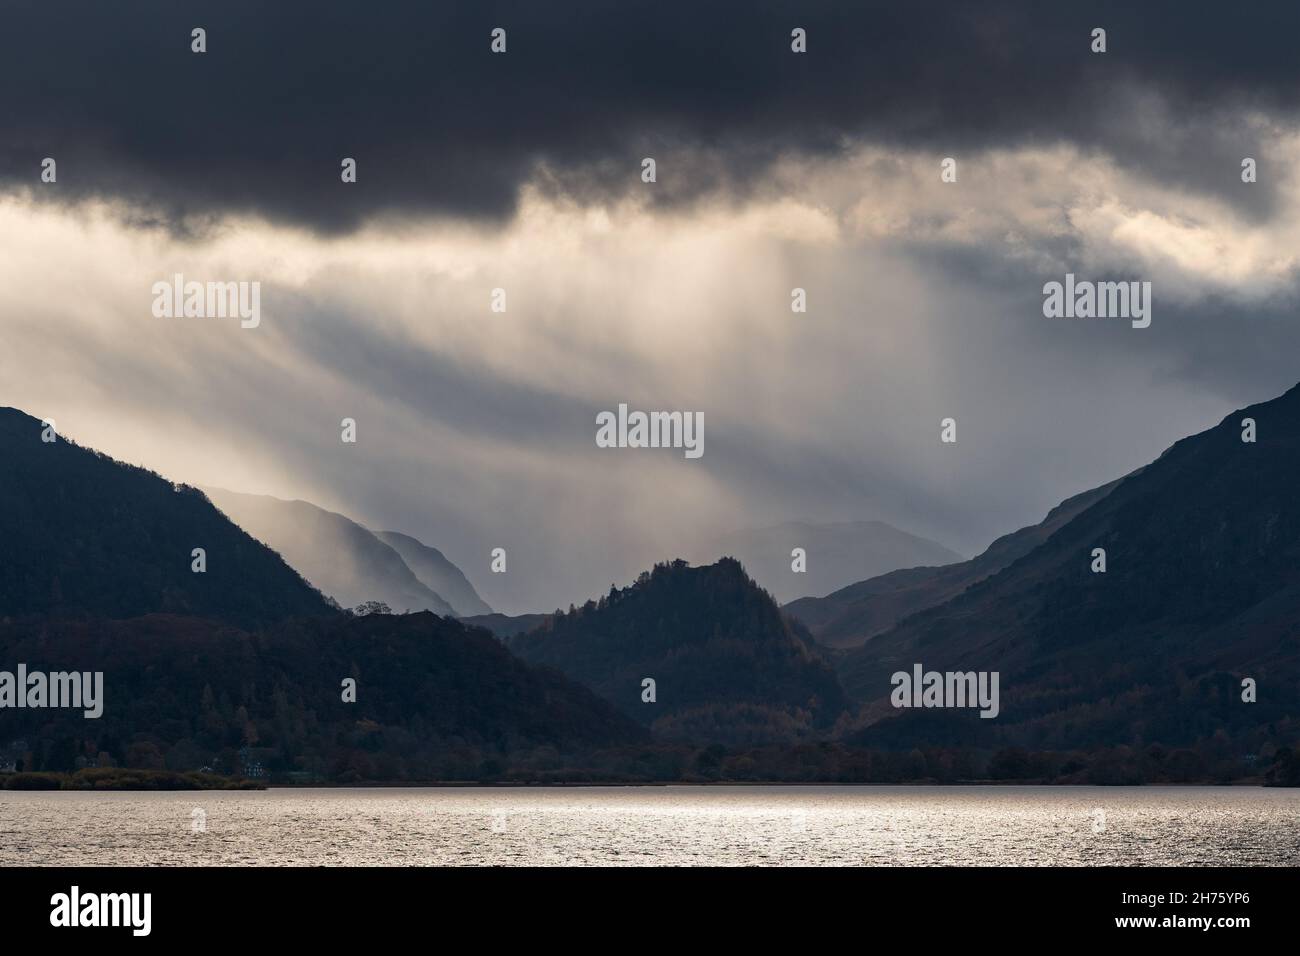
(476, 429)
(439, 125)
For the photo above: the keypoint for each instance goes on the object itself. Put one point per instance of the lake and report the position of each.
(682, 825)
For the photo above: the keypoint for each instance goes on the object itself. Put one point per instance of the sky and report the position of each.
(522, 171)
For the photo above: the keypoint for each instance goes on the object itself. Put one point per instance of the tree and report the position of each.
(1285, 771)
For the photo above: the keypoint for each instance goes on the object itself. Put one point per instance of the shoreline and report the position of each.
(109, 780)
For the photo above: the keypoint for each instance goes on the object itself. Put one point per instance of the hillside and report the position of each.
(434, 699)
(855, 614)
(435, 572)
(1201, 589)
(727, 665)
(84, 535)
(333, 552)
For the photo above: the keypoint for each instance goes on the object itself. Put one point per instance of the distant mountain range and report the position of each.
(1132, 673)
(837, 554)
(437, 573)
(852, 615)
(350, 563)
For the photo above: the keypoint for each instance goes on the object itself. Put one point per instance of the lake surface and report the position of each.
(1012, 826)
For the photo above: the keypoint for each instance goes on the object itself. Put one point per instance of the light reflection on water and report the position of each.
(1012, 826)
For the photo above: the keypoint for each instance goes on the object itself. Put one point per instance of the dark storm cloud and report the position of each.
(440, 125)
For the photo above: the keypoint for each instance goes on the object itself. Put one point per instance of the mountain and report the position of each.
(853, 615)
(337, 555)
(727, 665)
(84, 535)
(436, 573)
(838, 554)
(1201, 590)
(506, 625)
(434, 700)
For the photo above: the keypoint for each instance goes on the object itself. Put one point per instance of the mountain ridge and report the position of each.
(727, 665)
(1201, 590)
(853, 615)
(341, 557)
(437, 573)
(83, 534)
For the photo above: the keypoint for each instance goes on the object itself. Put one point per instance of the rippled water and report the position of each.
(1014, 826)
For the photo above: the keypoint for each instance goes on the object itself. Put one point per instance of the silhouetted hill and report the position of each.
(853, 615)
(82, 534)
(727, 665)
(506, 625)
(434, 699)
(1201, 590)
(837, 554)
(333, 552)
(437, 573)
